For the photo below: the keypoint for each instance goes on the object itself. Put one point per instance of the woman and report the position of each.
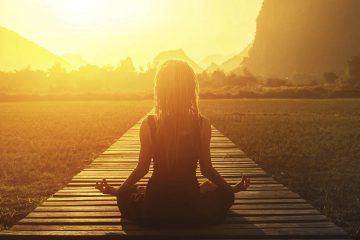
(177, 137)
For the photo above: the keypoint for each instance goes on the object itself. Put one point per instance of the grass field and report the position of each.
(312, 146)
(43, 144)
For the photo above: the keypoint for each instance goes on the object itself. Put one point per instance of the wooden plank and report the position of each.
(115, 213)
(230, 219)
(244, 205)
(90, 182)
(112, 198)
(262, 187)
(76, 200)
(114, 207)
(202, 232)
(132, 227)
(252, 188)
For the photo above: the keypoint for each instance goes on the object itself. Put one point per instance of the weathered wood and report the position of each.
(230, 219)
(115, 213)
(243, 205)
(267, 209)
(247, 194)
(262, 187)
(210, 232)
(75, 200)
(132, 227)
(114, 207)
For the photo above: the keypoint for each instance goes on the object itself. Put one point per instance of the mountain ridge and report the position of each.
(235, 62)
(177, 54)
(213, 58)
(18, 52)
(304, 37)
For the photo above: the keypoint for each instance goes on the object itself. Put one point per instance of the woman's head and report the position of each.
(176, 90)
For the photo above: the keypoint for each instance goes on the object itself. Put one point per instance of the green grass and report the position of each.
(43, 144)
(312, 146)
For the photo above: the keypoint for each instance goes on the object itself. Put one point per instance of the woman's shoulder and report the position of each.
(146, 128)
(148, 122)
(148, 119)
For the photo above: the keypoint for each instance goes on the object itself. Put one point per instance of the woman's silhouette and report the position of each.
(177, 137)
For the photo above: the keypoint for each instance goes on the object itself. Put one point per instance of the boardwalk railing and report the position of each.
(267, 210)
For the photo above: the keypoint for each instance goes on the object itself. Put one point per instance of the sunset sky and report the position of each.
(104, 31)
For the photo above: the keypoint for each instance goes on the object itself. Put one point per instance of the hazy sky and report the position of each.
(104, 31)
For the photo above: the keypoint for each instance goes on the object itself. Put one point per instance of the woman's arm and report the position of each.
(207, 168)
(140, 170)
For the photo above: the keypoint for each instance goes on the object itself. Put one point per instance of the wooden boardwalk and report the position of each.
(267, 210)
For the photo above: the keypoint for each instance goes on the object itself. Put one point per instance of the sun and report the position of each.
(77, 12)
(89, 13)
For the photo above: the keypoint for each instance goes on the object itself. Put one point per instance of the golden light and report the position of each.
(77, 12)
(104, 31)
(85, 13)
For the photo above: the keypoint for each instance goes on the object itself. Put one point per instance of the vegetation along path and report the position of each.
(267, 210)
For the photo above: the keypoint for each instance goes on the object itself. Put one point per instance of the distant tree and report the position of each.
(204, 79)
(126, 75)
(27, 79)
(107, 68)
(145, 78)
(305, 79)
(330, 77)
(242, 81)
(352, 72)
(59, 78)
(126, 66)
(275, 82)
(247, 72)
(90, 78)
(218, 78)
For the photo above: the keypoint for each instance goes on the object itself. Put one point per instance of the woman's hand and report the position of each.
(242, 185)
(105, 188)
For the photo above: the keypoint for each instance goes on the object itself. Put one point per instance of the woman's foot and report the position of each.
(242, 185)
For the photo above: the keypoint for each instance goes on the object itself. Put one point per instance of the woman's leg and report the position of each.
(130, 203)
(214, 203)
(207, 186)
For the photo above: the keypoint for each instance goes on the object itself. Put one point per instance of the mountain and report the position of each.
(305, 36)
(235, 62)
(214, 58)
(178, 54)
(74, 59)
(17, 52)
(212, 68)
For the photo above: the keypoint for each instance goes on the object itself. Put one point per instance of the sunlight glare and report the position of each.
(137, 28)
(78, 12)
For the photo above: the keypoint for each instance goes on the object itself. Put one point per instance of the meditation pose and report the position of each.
(176, 138)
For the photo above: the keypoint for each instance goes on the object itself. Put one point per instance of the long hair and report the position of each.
(176, 103)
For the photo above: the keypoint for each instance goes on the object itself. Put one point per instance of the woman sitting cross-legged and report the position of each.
(176, 138)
